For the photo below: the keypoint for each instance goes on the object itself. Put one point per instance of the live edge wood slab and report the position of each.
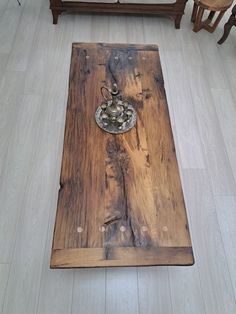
(120, 200)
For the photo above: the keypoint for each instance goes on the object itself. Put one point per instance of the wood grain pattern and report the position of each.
(120, 201)
(217, 5)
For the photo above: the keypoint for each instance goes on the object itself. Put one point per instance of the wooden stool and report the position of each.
(213, 6)
(231, 22)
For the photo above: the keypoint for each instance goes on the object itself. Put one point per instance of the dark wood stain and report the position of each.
(173, 10)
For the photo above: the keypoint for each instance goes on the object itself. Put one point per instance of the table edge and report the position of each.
(139, 47)
(118, 257)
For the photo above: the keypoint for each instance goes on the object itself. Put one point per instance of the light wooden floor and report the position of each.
(200, 81)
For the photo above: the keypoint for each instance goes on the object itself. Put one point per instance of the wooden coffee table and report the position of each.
(120, 199)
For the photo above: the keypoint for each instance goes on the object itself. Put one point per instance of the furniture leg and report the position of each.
(55, 14)
(227, 28)
(178, 21)
(198, 21)
(217, 21)
(194, 13)
(210, 16)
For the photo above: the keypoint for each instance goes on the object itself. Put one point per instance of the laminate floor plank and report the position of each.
(55, 294)
(154, 279)
(56, 287)
(8, 30)
(227, 118)
(227, 57)
(11, 84)
(117, 29)
(19, 56)
(3, 61)
(8, 117)
(225, 207)
(207, 43)
(37, 74)
(216, 158)
(190, 146)
(100, 28)
(122, 291)
(214, 55)
(190, 48)
(3, 6)
(48, 69)
(4, 273)
(82, 28)
(14, 169)
(60, 46)
(89, 291)
(173, 43)
(215, 73)
(186, 294)
(215, 280)
(152, 31)
(26, 267)
(135, 29)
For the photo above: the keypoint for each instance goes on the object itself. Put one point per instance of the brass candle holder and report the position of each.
(115, 115)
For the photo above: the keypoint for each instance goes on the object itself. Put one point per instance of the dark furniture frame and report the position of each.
(172, 10)
(209, 24)
(227, 28)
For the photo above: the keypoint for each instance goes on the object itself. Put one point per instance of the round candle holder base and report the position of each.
(115, 115)
(115, 128)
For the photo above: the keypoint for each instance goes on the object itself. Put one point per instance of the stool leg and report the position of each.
(194, 13)
(206, 24)
(198, 21)
(210, 16)
(218, 20)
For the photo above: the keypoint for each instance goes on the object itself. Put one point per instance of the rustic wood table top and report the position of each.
(120, 200)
